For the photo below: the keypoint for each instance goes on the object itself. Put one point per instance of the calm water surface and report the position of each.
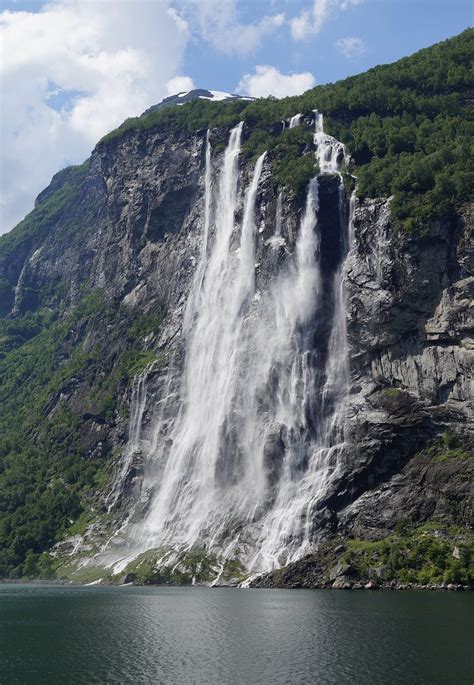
(52, 634)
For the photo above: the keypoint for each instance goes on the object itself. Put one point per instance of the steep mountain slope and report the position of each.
(95, 284)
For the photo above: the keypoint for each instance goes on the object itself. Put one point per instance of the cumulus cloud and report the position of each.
(70, 73)
(310, 21)
(179, 84)
(351, 47)
(267, 80)
(217, 23)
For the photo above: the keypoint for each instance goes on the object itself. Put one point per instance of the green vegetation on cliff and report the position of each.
(432, 553)
(408, 127)
(52, 204)
(58, 395)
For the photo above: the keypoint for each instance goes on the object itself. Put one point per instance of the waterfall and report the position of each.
(318, 121)
(288, 310)
(278, 217)
(276, 240)
(137, 406)
(295, 120)
(189, 483)
(337, 371)
(249, 428)
(330, 152)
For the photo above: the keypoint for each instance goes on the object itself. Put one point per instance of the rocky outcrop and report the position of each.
(410, 329)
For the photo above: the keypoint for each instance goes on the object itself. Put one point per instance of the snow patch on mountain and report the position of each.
(183, 97)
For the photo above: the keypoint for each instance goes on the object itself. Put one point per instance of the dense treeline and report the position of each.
(408, 127)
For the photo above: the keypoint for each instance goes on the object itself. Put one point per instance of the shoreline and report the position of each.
(357, 586)
(370, 586)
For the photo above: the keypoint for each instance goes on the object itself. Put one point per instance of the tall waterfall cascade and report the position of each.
(250, 427)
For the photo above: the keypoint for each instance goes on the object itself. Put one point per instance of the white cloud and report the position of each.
(179, 84)
(347, 4)
(218, 24)
(310, 21)
(268, 80)
(351, 47)
(70, 73)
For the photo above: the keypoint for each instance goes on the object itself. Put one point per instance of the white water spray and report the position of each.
(295, 120)
(330, 152)
(138, 405)
(244, 445)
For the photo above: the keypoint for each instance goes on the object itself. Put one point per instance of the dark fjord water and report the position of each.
(51, 634)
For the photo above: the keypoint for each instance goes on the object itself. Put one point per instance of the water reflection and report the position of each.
(198, 635)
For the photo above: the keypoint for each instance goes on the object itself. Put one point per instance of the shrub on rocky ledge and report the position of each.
(431, 553)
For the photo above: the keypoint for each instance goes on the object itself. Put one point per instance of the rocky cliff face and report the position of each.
(133, 230)
(410, 330)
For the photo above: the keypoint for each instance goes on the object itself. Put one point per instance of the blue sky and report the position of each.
(73, 69)
(390, 30)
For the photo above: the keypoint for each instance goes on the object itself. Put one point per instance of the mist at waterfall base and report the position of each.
(246, 436)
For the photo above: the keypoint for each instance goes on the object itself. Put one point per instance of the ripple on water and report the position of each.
(197, 635)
